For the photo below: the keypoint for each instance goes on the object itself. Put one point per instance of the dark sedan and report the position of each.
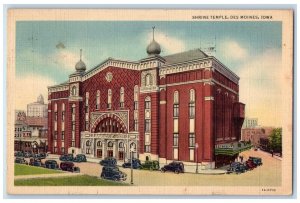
(69, 166)
(176, 167)
(51, 164)
(108, 161)
(136, 164)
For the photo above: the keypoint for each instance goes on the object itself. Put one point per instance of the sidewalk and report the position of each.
(56, 175)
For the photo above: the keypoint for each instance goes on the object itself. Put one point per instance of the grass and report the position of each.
(80, 180)
(21, 169)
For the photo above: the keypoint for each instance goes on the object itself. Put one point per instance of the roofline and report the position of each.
(214, 58)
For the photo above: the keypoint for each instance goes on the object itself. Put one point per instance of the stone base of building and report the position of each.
(74, 150)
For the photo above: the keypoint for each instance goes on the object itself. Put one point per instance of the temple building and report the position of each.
(183, 106)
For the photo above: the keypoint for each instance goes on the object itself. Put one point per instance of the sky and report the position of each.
(46, 53)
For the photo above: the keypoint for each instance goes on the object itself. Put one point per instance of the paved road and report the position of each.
(269, 174)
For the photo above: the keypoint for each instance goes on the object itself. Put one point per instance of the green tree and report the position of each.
(275, 140)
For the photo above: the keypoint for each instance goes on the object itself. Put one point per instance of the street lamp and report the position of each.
(196, 146)
(131, 157)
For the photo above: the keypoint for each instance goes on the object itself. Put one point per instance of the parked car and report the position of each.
(236, 167)
(250, 165)
(20, 160)
(108, 161)
(80, 158)
(176, 167)
(113, 173)
(27, 154)
(66, 157)
(42, 155)
(35, 162)
(19, 154)
(150, 165)
(69, 166)
(136, 164)
(51, 164)
(256, 160)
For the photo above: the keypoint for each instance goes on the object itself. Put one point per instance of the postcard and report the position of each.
(149, 101)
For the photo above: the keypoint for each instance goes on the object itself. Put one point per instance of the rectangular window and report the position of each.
(97, 106)
(191, 140)
(147, 125)
(88, 150)
(55, 149)
(63, 116)
(73, 110)
(86, 125)
(147, 148)
(55, 116)
(73, 143)
(55, 135)
(175, 153)
(192, 153)
(86, 108)
(136, 125)
(147, 139)
(176, 110)
(192, 110)
(62, 150)
(192, 125)
(136, 105)
(175, 139)
(62, 135)
(175, 130)
(73, 126)
(109, 105)
(147, 104)
(122, 104)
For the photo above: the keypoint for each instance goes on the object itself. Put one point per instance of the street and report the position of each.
(269, 174)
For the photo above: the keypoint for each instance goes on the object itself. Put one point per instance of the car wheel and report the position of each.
(115, 178)
(176, 171)
(163, 170)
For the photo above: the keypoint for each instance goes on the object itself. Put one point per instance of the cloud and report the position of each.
(28, 88)
(233, 50)
(168, 43)
(65, 59)
(60, 45)
(262, 85)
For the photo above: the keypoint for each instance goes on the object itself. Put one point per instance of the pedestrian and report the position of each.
(241, 158)
(272, 152)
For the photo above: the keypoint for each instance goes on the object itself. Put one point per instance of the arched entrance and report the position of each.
(109, 123)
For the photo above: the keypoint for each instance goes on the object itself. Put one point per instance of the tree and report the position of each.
(275, 140)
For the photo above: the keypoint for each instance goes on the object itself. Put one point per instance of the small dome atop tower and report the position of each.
(153, 48)
(80, 65)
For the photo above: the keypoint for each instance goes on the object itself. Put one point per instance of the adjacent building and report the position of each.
(38, 108)
(176, 107)
(250, 123)
(258, 136)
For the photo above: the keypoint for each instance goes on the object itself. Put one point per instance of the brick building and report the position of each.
(162, 107)
(258, 136)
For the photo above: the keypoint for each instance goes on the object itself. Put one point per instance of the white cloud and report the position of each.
(28, 88)
(65, 59)
(261, 87)
(168, 43)
(233, 50)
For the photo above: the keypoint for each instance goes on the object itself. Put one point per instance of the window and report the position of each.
(191, 140)
(55, 116)
(55, 107)
(176, 97)
(88, 151)
(136, 93)
(62, 150)
(121, 145)
(99, 144)
(73, 126)
(192, 153)
(175, 139)
(122, 97)
(132, 146)
(74, 90)
(175, 153)
(176, 110)
(192, 95)
(192, 110)
(98, 100)
(147, 148)
(55, 149)
(147, 103)
(62, 135)
(55, 135)
(88, 143)
(148, 80)
(73, 143)
(136, 105)
(136, 125)
(147, 125)
(110, 144)
(109, 93)
(86, 125)
(62, 115)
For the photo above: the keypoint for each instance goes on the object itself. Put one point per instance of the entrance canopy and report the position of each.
(231, 149)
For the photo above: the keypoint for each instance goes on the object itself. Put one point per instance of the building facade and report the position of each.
(250, 123)
(258, 136)
(176, 107)
(38, 108)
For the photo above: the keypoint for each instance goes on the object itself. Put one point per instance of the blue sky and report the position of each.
(48, 50)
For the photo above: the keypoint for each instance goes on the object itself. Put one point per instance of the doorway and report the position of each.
(99, 153)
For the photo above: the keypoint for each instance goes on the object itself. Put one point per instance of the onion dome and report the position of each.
(153, 48)
(80, 65)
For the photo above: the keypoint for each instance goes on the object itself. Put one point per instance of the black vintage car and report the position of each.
(80, 158)
(66, 157)
(19, 154)
(176, 167)
(150, 165)
(136, 164)
(256, 160)
(113, 173)
(35, 162)
(20, 160)
(69, 166)
(108, 161)
(51, 164)
(236, 167)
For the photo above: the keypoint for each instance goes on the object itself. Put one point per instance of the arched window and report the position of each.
(192, 95)
(148, 80)
(122, 97)
(192, 104)
(88, 143)
(99, 144)
(110, 144)
(87, 98)
(109, 98)
(74, 90)
(136, 93)
(133, 146)
(63, 108)
(121, 145)
(176, 97)
(98, 100)
(55, 107)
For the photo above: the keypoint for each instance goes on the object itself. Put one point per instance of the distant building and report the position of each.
(250, 123)
(38, 108)
(257, 136)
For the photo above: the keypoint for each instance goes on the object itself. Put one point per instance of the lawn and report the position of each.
(21, 169)
(80, 180)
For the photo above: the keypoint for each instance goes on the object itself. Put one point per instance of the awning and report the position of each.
(232, 149)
